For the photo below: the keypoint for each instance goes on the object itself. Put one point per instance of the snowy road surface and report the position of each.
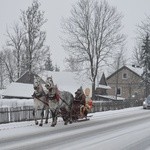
(126, 129)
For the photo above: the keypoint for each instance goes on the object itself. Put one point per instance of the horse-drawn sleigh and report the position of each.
(82, 105)
(59, 103)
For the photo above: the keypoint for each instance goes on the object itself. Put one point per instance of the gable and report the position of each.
(103, 80)
(28, 78)
(103, 83)
(136, 71)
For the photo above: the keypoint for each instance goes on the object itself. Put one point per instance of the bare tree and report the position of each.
(15, 44)
(118, 60)
(72, 64)
(2, 71)
(35, 51)
(91, 33)
(8, 61)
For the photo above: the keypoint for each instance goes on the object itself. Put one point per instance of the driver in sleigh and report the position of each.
(85, 101)
(80, 96)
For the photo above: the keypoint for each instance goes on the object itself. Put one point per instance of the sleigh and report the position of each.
(79, 113)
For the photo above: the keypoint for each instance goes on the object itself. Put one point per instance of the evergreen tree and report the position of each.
(48, 63)
(145, 57)
(57, 69)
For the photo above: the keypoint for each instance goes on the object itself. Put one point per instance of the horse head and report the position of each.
(49, 83)
(37, 83)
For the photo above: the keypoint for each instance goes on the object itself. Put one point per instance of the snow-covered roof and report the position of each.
(104, 86)
(112, 97)
(19, 90)
(136, 69)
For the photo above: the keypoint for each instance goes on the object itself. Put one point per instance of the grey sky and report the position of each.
(133, 10)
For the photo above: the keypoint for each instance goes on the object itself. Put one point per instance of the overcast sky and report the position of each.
(134, 12)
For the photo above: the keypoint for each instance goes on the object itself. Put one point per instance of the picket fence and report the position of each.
(25, 113)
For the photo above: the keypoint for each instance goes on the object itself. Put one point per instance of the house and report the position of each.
(126, 82)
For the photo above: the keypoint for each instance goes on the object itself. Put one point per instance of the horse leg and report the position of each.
(42, 116)
(34, 116)
(70, 115)
(47, 116)
(54, 118)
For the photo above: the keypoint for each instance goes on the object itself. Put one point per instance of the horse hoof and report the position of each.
(36, 123)
(70, 122)
(46, 122)
(65, 123)
(40, 124)
(52, 125)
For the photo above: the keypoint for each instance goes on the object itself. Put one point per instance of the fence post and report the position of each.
(4, 115)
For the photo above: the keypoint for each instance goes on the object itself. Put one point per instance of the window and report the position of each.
(124, 76)
(118, 91)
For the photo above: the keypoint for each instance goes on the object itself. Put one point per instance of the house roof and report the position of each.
(103, 83)
(28, 77)
(136, 70)
(111, 97)
(19, 90)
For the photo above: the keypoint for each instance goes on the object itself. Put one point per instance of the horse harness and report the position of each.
(54, 95)
(39, 95)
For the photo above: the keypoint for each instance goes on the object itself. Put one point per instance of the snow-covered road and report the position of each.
(126, 129)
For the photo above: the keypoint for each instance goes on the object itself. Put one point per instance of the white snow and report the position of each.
(19, 90)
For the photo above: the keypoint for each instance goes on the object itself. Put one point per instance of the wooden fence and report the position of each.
(17, 114)
(105, 106)
(26, 113)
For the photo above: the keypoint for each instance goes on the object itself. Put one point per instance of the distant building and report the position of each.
(101, 92)
(127, 83)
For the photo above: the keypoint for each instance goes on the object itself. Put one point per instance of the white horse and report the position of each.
(60, 102)
(40, 101)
